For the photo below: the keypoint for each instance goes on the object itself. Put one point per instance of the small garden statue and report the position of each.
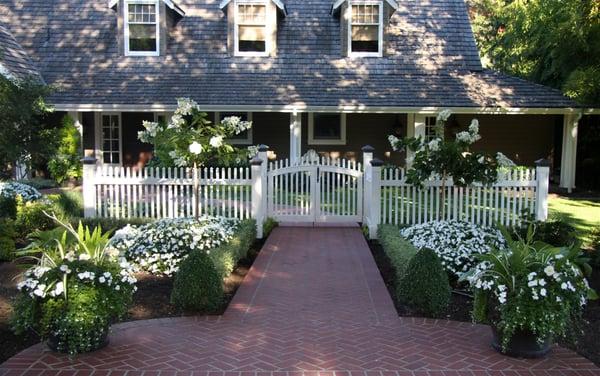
(441, 159)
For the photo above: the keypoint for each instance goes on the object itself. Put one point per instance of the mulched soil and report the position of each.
(150, 301)
(586, 340)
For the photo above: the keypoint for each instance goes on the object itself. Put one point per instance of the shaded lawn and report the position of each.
(584, 215)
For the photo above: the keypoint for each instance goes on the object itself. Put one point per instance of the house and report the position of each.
(328, 75)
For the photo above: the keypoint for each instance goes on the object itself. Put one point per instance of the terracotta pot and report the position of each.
(523, 344)
(52, 342)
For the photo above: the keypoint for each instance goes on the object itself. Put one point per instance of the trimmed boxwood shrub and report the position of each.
(421, 281)
(197, 286)
(226, 256)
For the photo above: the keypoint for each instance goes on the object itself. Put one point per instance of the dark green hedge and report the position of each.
(198, 284)
(421, 281)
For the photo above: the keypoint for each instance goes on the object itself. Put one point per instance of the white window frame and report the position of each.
(236, 41)
(100, 144)
(240, 141)
(128, 52)
(379, 53)
(316, 141)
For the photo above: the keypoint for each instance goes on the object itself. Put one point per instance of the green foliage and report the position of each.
(8, 207)
(31, 217)
(197, 286)
(39, 183)
(7, 239)
(112, 224)
(189, 125)
(66, 164)
(555, 232)
(68, 203)
(535, 288)
(421, 281)
(27, 132)
(552, 42)
(226, 256)
(268, 227)
(75, 289)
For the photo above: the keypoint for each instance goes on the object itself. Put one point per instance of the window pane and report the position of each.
(115, 158)
(327, 127)
(252, 14)
(252, 33)
(106, 157)
(142, 37)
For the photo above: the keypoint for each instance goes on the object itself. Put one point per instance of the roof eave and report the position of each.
(169, 3)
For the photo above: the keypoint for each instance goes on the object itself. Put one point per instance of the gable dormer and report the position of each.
(364, 25)
(143, 25)
(252, 26)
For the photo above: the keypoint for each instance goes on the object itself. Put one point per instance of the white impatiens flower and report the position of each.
(216, 141)
(549, 270)
(84, 257)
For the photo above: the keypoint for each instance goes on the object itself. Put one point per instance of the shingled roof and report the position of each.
(432, 60)
(14, 61)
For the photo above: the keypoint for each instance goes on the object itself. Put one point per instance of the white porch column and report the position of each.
(295, 136)
(568, 163)
(415, 128)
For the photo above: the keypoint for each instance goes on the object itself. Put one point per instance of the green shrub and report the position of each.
(556, 232)
(68, 203)
(31, 217)
(268, 227)
(197, 286)
(8, 207)
(421, 281)
(7, 239)
(39, 183)
(112, 224)
(226, 256)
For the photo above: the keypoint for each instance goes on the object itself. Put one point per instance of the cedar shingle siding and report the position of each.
(430, 60)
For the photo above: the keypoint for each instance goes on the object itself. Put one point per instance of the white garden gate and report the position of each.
(318, 189)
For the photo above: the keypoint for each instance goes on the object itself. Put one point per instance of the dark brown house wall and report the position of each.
(361, 130)
(135, 153)
(272, 129)
(89, 135)
(523, 138)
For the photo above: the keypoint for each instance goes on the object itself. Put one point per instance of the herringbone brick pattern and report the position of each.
(313, 304)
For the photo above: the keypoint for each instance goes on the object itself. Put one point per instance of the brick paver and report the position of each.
(313, 304)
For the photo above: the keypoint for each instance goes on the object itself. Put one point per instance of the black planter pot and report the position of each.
(523, 344)
(53, 341)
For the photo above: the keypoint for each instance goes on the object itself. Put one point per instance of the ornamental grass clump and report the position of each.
(159, 247)
(531, 289)
(75, 289)
(456, 243)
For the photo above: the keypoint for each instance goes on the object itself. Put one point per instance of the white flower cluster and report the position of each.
(216, 141)
(186, 106)
(504, 161)
(434, 145)
(456, 243)
(236, 125)
(394, 141)
(252, 151)
(150, 131)
(178, 159)
(11, 189)
(472, 135)
(444, 115)
(555, 281)
(159, 247)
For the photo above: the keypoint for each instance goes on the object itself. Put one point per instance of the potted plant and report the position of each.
(530, 294)
(74, 291)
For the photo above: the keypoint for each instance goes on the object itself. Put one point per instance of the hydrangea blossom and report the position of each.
(456, 243)
(12, 189)
(160, 247)
(504, 161)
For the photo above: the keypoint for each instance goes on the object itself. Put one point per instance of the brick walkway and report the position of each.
(313, 304)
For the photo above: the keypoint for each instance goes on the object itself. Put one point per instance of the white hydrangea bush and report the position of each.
(455, 242)
(159, 247)
(11, 189)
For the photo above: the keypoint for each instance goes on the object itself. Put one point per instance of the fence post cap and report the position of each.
(376, 162)
(256, 161)
(89, 160)
(542, 163)
(368, 149)
(263, 148)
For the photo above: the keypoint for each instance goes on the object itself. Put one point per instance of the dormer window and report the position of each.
(142, 33)
(365, 29)
(251, 28)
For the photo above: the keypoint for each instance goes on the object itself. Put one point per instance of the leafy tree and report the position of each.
(26, 135)
(552, 42)
(190, 126)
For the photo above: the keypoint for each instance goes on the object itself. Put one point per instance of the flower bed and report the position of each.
(12, 189)
(160, 247)
(456, 243)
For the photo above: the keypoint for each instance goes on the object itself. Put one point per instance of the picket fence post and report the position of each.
(258, 211)
(374, 200)
(542, 188)
(367, 158)
(89, 190)
(263, 154)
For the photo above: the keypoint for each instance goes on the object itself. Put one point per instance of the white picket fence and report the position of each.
(311, 190)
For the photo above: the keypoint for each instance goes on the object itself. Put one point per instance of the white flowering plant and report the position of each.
(190, 125)
(441, 159)
(75, 289)
(160, 247)
(456, 243)
(530, 288)
(12, 189)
